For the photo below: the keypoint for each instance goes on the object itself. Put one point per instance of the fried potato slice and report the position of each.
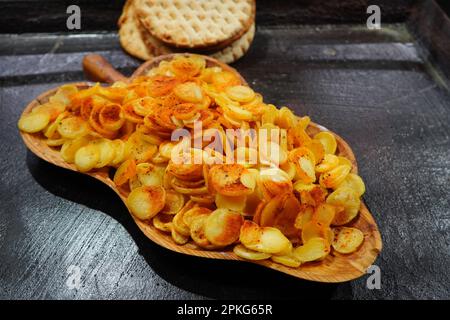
(70, 147)
(145, 202)
(163, 222)
(107, 152)
(243, 252)
(232, 203)
(354, 182)
(287, 260)
(193, 213)
(347, 240)
(139, 149)
(174, 203)
(34, 122)
(304, 216)
(126, 171)
(222, 227)
(149, 174)
(178, 237)
(304, 161)
(226, 179)
(329, 162)
(333, 178)
(328, 141)
(189, 92)
(197, 228)
(120, 151)
(344, 160)
(313, 250)
(73, 127)
(275, 181)
(263, 239)
(242, 94)
(179, 225)
(111, 118)
(87, 157)
(347, 204)
(314, 229)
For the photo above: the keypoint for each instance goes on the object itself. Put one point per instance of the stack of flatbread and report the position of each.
(223, 29)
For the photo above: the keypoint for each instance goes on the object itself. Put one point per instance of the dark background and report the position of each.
(385, 91)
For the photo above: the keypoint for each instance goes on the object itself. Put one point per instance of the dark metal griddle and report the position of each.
(386, 92)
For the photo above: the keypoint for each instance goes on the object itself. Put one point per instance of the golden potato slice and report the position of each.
(163, 222)
(120, 151)
(197, 228)
(344, 160)
(200, 190)
(290, 169)
(55, 142)
(285, 118)
(240, 93)
(263, 239)
(347, 240)
(174, 203)
(52, 128)
(149, 174)
(272, 154)
(346, 203)
(311, 194)
(134, 183)
(202, 199)
(222, 227)
(87, 157)
(70, 147)
(107, 153)
(189, 92)
(186, 169)
(281, 212)
(33, 122)
(232, 203)
(193, 213)
(304, 161)
(328, 141)
(314, 249)
(63, 94)
(317, 149)
(73, 127)
(243, 252)
(314, 229)
(224, 79)
(329, 162)
(324, 213)
(226, 179)
(275, 181)
(333, 178)
(178, 237)
(111, 118)
(179, 225)
(126, 171)
(145, 202)
(354, 182)
(287, 260)
(52, 108)
(139, 149)
(304, 215)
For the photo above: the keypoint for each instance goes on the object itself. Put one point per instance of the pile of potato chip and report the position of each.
(290, 206)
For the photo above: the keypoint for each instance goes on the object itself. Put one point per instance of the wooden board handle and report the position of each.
(97, 68)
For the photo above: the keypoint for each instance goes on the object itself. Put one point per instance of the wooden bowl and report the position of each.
(335, 268)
